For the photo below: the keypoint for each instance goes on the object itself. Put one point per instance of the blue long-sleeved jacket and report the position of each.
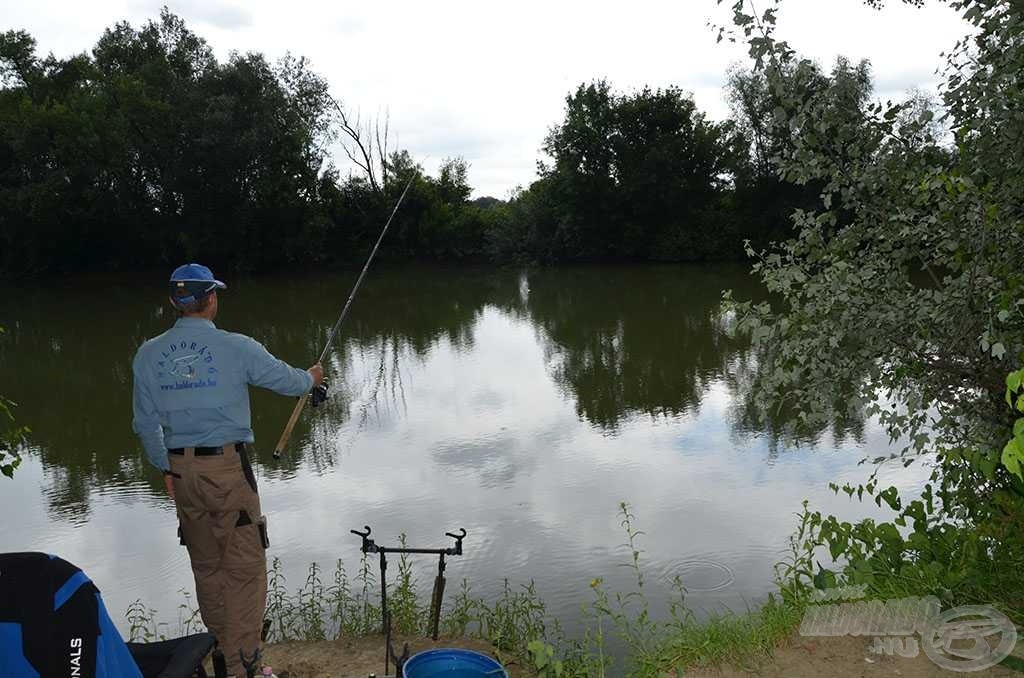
(191, 387)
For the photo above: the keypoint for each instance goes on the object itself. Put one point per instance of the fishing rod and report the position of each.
(287, 433)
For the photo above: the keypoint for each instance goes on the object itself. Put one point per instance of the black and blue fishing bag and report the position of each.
(53, 623)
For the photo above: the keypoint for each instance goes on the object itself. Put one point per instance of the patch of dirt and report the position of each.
(360, 657)
(842, 657)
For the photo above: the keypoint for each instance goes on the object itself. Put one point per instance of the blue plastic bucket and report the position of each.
(452, 664)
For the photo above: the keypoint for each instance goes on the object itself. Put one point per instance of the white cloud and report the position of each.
(225, 15)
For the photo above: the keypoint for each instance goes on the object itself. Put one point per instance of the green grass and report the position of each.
(743, 640)
(516, 621)
(517, 624)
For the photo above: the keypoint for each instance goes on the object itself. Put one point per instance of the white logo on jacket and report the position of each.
(76, 657)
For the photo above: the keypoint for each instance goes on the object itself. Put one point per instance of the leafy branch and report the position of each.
(12, 438)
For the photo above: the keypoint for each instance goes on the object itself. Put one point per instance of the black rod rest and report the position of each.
(370, 546)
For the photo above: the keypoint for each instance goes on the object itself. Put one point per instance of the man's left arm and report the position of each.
(263, 369)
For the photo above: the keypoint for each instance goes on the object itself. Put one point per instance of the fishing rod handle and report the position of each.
(286, 435)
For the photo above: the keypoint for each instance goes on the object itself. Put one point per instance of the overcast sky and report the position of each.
(486, 80)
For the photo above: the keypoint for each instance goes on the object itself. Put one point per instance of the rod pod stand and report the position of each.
(370, 546)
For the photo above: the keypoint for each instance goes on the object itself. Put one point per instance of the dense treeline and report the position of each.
(149, 151)
(646, 176)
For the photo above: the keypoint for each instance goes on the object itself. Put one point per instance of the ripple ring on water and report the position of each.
(728, 576)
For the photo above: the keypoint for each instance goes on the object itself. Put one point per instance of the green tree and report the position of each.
(762, 200)
(521, 231)
(670, 167)
(453, 181)
(149, 151)
(646, 176)
(581, 175)
(633, 176)
(901, 293)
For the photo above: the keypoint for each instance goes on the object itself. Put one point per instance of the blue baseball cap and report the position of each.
(192, 282)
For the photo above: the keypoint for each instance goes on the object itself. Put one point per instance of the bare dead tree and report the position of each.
(367, 146)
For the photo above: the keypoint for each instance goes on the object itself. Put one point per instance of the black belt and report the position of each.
(207, 451)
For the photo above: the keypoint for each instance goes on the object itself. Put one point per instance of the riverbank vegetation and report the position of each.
(12, 437)
(619, 634)
(902, 299)
(148, 151)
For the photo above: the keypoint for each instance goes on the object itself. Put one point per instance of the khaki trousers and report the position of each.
(225, 533)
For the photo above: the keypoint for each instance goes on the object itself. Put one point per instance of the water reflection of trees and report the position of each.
(66, 358)
(641, 340)
(653, 340)
(619, 342)
(66, 361)
(778, 423)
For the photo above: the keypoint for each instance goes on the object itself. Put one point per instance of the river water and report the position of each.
(521, 405)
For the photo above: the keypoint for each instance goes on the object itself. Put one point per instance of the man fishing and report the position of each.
(191, 411)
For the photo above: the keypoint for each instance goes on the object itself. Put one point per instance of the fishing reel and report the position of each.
(318, 394)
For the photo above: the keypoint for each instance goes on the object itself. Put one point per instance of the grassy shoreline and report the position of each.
(516, 626)
(340, 605)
